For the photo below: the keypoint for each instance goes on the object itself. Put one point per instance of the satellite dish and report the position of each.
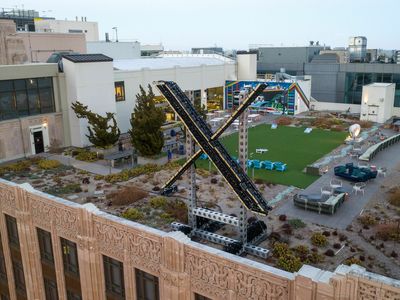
(354, 130)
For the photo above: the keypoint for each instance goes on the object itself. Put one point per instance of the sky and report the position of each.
(233, 24)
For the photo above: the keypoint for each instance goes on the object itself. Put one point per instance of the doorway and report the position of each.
(38, 141)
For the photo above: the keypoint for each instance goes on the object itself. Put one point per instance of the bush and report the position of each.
(342, 237)
(287, 229)
(330, 253)
(282, 218)
(319, 240)
(62, 190)
(301, 250)
(283, 121)
(315, 258)
(132, 214)
(275, 236)
(47, 164)
(85, 155)
(289, 263)
(126, 196)
(352, 261)
(337, 246)
(23, 165)
(367, 220)
(365, 124)
(280, 249)
(158, 202)
(387, 232)
(297, 223)
(394, 197)
(178, 210)
(214, 180)
(98, 177)
(326, 233)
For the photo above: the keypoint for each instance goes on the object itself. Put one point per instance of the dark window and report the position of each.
(4, 297)
(146, 286)
(70, 257)
(12, 231)
(119, 91)
(24, 97)
(3, 270)
(200, 297)
(19, 276)
(50, 288)
(45, 245)
(114, 277)
(73, 296)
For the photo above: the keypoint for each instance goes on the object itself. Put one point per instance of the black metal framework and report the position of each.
(26, 97)
(119, 88)
(114, 278)
(147, 286)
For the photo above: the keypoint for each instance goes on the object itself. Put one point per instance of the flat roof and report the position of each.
(155, 63)
(85, 58)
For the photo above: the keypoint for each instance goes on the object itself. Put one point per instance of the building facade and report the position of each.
(55, 249)
(115, 50)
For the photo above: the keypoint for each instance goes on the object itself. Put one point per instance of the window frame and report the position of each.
(67, 248)
(119, 84)
(19, 277)
(12, 231)
(112, 286)
(45, 246)
(141, 278)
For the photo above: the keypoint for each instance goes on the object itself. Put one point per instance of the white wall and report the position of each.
(377, 102)
(333, 106)
(90, 29)
(247, 67)
(305, 86)
(120, 50)
(91, 84)
(190, 78)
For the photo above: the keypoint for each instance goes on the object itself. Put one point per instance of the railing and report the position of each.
(375, 149)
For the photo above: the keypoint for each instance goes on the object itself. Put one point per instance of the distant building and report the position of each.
(12, 50)
(151, 49)
(115, 50)
(342, 54)
(358, 49)
(24, 19)
(292, 59)
(90, 29)
(208, 50)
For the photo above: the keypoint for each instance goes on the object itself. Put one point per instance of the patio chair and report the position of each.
(268, 165)
(203, 156)
(256, 164)
(280, 166)
(359, 187)
(335, 183)
(382, 171)
(326, 191)
(250, 163)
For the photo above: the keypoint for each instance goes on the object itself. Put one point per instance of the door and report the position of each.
(38, 141)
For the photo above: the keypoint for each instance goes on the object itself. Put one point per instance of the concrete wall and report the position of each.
(247, 66)
(120, 50)
(188, 78)
(183, 267)
(11, 45)
(92, 84)
(39, 46)
(90, 29)
(330, 106)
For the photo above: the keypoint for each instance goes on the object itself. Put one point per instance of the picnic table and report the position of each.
(126, 154)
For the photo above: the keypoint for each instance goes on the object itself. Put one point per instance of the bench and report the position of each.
(372, 151)
(328, 206)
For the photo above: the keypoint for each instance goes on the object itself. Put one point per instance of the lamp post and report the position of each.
(116, 33)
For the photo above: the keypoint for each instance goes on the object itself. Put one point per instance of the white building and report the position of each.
(377, 102)
(115, 50)
(90, 29)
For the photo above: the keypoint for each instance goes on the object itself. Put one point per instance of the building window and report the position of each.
(19, 276)
(119, 91)
(12, 231)
(50, 288)
(25, 97)
(70, 257)
(200, 297)
(114, 278)
(146, 286)
(73, 296)
(4, 297)
(45, 245)
(3, 270)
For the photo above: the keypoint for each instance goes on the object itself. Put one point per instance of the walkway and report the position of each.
(350, 209)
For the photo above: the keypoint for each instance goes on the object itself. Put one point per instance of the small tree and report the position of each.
(102, 134)
(146, 122)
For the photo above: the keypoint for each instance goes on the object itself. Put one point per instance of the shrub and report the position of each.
(86, 155)
(98, 177)
(297, 223)
(287, 229)
(367, 220)
(23, 165)
(319, 240)
(315, 258)
(365, 124)
(280, 249)
(47, 164)
(282, 218)
(352, 261)
(337, 246)
(326, 233)
(301, 250)
(275, 236)
(158, 202)
(394, 197)
(214, 180)
(178, 210)
(126, 196)
(289, 263)
(167, 217)
(342, 237)
(132, 214)
(62, 190)
(283, 121)
(386, 232)
(330, 253)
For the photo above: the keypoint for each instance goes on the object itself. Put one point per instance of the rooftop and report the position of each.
(85, 58)
(168, 62)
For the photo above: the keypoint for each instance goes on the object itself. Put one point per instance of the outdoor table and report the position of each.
(118, 155)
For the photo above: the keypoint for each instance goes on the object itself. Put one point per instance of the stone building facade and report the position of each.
(56, 249)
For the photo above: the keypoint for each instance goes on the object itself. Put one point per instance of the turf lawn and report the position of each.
(289, 145)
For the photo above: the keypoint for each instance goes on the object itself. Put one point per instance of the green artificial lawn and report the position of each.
(289, 145)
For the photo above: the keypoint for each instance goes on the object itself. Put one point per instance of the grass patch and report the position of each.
(286, 144)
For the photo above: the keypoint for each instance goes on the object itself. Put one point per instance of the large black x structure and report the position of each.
(246, 103)
(241, 184)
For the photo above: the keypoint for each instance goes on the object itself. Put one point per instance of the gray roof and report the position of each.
(85, 58)
(325, 58)
(165, 63)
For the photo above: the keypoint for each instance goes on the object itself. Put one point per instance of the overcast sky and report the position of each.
(234, 24)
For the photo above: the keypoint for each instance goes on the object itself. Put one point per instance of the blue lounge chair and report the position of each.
(268, 165)
(250, 163)
(256, 164)
(203, 156)
(280, 166)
